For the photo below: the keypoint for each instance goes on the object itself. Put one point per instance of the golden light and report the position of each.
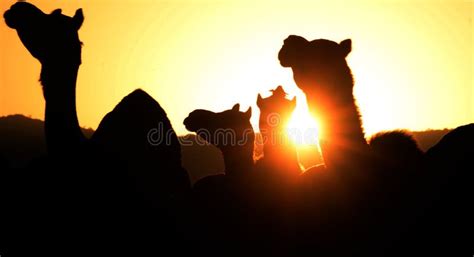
(303, 129)
(413, 71)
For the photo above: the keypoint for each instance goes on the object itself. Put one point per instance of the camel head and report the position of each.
(50, 38)
(316, 64)
(275, 110)
(225, 130)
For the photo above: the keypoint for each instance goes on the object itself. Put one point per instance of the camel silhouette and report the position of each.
(239, 210)
(450, 185)
(53, 40)
(118, 166)
(396, 151)
(280, 158)
(321, 71)
(396, 219)
(125, 189)
(222, 201)
(430, 215)
(363, 174)
(231, 132)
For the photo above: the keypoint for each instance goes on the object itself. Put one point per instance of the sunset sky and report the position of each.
(412, 60)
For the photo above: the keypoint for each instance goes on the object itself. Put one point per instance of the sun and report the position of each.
(303, 128)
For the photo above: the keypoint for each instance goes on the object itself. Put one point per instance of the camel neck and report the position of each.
(277, 144)
(341, 135)
(62, 130)
(341, 121)
(238, 160)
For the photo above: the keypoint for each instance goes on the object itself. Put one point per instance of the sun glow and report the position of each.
(192, 54)
(303, 128)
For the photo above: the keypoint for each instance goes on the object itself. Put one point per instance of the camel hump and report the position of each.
(395, 142)
(456, 146)
(139, 133)
(127, 127)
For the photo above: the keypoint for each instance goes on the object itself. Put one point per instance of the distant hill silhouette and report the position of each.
(22, 140)
(426, 139)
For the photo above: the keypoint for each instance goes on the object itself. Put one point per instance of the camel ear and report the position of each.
(78, 19)
(346, 47)
(56, 12)
(248, 113)
(259, 101)
(236, 108)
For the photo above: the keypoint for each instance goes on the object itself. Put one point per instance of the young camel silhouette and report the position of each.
(231, 132)
(221, 201)
(280, 160)
(118, 162)
(237, 210)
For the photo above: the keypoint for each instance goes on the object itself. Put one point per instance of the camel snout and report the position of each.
(187, 124)
(7, 16)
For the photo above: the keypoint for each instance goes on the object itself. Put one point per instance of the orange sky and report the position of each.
(412, 60)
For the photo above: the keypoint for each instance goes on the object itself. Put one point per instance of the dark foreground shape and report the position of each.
(114, 193)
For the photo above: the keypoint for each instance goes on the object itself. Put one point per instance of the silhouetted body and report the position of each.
(321, 71)
(378, 182)
(53, 40)
(280, 160)
(124, 190)
(450, 213)
(231, 132)
(116, 187)
(278, 171)
(221, 201)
